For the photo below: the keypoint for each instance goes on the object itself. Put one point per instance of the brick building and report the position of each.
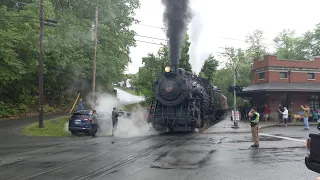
(288, 82)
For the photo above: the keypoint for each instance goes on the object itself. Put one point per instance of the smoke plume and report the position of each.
(199, 32)
(176, 16)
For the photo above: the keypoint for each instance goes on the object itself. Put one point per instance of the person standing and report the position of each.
(280, 110)
(305, 115)
(285, 115)
(254, 120)
(266, 112)
(115, 115)
(81, 105)
(94, 123)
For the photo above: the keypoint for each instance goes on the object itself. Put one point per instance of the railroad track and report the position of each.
(80, 160)
(106, 169)
(126, 160)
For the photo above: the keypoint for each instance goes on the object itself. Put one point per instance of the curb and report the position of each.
(282, 125)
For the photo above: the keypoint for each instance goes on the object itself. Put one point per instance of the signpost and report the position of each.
(235, 121)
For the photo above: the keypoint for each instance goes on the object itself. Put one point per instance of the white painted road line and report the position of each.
(282, 137)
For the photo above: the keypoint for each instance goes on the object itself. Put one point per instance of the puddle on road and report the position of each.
(189, 156)
(261, 138)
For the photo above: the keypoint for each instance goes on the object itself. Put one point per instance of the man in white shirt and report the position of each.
(285, 115)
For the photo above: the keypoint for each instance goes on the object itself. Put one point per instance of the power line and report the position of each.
(150, 26)
(152, 37)
(219, 37)
(244, 50)
(150, 43)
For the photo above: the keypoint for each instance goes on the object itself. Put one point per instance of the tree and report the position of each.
(223, 78)
(154, 65)
(68, 51)
(256, 49)
(288, 46)
(209, 67)
(184, 61)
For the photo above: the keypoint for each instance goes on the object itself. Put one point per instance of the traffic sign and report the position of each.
(237, 116)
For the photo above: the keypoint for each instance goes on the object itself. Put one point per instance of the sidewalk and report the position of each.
(244, 126)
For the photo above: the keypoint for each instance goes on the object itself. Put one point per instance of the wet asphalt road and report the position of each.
(221, 156)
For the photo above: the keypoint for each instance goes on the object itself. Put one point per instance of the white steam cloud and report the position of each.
(199, 50)
(134, 126)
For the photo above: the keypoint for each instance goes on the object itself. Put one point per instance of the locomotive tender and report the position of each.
(184, 102)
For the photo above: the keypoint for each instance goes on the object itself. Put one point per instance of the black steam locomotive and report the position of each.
(185, 102)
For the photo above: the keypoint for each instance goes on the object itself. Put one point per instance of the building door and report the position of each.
(283, 100)
(313, 102)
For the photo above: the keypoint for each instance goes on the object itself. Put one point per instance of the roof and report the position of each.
(278, 86)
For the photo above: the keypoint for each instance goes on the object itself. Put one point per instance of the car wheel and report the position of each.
(73, 133)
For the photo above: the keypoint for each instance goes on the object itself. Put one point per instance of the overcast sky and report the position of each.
(223, 23)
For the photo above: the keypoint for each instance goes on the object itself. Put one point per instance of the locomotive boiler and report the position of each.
(184, 101)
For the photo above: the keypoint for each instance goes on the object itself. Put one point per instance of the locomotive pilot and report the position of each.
(254, 120)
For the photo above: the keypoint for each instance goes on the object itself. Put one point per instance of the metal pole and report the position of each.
(95, 57)
(41, 66)
(234, 97)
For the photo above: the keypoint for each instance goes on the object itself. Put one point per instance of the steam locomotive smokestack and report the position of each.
(176, 16)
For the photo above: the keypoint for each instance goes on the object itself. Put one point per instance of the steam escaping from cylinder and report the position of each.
(176, 17)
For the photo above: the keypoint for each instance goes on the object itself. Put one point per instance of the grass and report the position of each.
(52, 128)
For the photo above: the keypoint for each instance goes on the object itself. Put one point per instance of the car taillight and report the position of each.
(308, 143)
(90, 120)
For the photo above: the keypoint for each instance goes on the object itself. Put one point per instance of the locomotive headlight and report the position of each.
(167, 69)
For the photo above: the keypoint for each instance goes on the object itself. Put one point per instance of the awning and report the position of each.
(278, 86)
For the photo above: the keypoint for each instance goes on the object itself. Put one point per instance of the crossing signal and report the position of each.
(238, 88)
(230, 89)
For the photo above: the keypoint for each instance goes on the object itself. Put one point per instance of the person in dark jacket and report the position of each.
(280, 111)
(94, 123)
(81, 105)
(115, 115)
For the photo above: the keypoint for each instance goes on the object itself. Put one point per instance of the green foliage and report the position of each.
(290, 46)
(257, 48)
(53, 128)
(154, 65)
(68, 51)
(209, 67)
(287, 45)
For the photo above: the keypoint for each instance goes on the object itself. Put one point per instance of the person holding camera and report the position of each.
(254, 120)
(305, 115)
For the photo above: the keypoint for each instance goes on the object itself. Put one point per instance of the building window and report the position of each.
(261, 75)
(311, 76)
(283, 75)
(313, 102)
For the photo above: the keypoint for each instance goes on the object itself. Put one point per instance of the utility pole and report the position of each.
(41, 66)
(95, 56)
(234, 97)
